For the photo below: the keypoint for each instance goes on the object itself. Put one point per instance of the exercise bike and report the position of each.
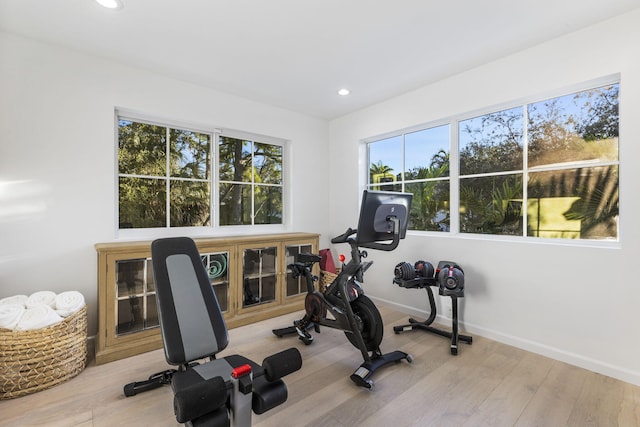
(383, 216)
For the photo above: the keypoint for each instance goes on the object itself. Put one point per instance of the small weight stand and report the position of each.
(426, 283)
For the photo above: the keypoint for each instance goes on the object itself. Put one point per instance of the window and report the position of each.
(416, 162)
(542, 169)
(167, 178)
(491, 175)
(572, 183)
(250, 182)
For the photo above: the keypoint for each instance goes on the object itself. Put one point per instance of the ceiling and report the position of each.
(296, 54)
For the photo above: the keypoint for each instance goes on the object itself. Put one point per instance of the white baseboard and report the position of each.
(574, 359)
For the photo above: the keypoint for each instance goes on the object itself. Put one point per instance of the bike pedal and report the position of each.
(304, 335)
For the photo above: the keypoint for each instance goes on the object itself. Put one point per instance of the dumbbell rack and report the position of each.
(426, 283)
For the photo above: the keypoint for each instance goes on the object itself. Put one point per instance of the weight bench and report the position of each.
(207, 391)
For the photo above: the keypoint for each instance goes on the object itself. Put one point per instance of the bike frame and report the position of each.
(336, 298)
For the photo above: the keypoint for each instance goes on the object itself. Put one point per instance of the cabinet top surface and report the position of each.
(216, 240)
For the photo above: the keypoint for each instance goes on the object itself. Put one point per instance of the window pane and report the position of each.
(295, 285)
(235, 204)
(189, 204)
(430, 205)
(142, 202)
(259, 275)
(130, 277)
(268, 205)
(491, 143)
(151, 319)
(577, 127)
(267, 161)
(141, 149)
(427, 149)
(130, 315)
(385, 157)
(574, 203)
(190, 154)
(491, 205)
(234, 159)
(269, 257)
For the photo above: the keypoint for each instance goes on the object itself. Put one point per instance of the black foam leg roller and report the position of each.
(199, 399)
(281, 364)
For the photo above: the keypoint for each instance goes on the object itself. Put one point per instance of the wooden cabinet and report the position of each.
(248, 273)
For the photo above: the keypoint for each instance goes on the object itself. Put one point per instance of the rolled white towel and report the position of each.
(38, 317)
(16, 299)
(41, 297)
(10, 315)
(68, 303)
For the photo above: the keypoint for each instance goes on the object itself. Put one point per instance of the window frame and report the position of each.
(214, 227)
(454, 165)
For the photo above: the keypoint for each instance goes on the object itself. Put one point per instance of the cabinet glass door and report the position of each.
(217, 265)
(259, 275)
(295, 286)
(135, 296)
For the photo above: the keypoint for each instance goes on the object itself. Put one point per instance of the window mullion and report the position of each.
(525, 169)
(454, 178)
(253, 184)
(214, 179)
(404, 162)
(168, 178)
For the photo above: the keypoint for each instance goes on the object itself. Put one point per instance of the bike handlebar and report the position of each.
(344, 237)
(395, 238)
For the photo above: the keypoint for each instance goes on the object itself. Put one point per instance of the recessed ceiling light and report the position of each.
(343, 92)
(111, 4)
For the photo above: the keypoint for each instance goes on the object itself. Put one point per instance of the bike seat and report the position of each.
(309, 258)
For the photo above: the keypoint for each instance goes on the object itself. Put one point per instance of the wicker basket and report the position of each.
(327, 278)
(35, 360)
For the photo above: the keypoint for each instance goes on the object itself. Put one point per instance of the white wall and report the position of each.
(577, 304)
(57, 158)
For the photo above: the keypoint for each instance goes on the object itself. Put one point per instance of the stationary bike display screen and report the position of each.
(377, 208)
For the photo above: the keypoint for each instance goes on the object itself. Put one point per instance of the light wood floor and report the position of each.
(487, 384)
